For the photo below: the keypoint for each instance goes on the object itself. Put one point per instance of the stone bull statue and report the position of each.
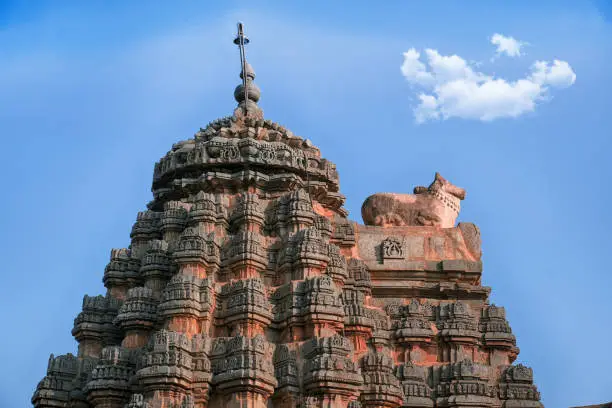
(437, 205)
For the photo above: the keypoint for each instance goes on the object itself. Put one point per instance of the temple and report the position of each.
(246, 285)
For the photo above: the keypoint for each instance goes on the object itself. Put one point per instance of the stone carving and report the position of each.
(109, 381)
(314, 305)
(243, 360)
(195, 249)
(137, 401)
(94, 328)
(437, 205)
(328, 370)
(357, 320)
(359, 277)
(336, 267)
(516, 388)
(381, 388)
(305, 254)
(201, 369)
(415, 385)
(324, 226)
(244, 255)
(155, 266)
(381, 332)
(465, 382)
(247, 212)
(286, 370)
(187, 304)
(245, 284)
(63, 384)
(456, 320)
(122, 271)
(344, 232)
(145, 229)
(173, 220)
(206, 210)
(166, 362)
(496, 329)
(412, 325)
(139, 311)
(392, 248)
(245, 308)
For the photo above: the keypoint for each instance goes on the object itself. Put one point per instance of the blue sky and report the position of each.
(93, 93)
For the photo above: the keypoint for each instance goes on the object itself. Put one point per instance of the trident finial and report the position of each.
(240, 41)
(246, 94)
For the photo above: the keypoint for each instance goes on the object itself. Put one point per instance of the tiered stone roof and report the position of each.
(245, 285)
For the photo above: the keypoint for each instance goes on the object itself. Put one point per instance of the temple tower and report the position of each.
(245, 285)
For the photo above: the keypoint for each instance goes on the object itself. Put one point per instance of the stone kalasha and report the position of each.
(245, 285)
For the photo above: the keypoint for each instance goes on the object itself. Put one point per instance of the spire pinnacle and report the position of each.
(246, 94)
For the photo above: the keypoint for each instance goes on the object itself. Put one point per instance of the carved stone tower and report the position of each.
(245, 285)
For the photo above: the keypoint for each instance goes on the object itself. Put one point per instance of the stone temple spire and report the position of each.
(245, 285)
(246, 94)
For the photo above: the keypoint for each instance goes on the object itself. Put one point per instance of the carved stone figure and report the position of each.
(436, 205)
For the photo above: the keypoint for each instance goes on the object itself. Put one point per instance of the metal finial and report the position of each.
(241, 40)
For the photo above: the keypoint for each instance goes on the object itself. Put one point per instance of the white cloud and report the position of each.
(507, 45)
(451, 87)
(427, 109)
(414, 70)
(558, 74)
(450, 68)
(488, 100)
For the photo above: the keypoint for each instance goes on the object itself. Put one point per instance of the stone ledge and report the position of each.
(420, 289)
(389, 245)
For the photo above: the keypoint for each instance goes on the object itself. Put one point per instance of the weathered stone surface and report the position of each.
(245, 285)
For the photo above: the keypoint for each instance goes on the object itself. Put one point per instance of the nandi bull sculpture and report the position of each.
(437, 205)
